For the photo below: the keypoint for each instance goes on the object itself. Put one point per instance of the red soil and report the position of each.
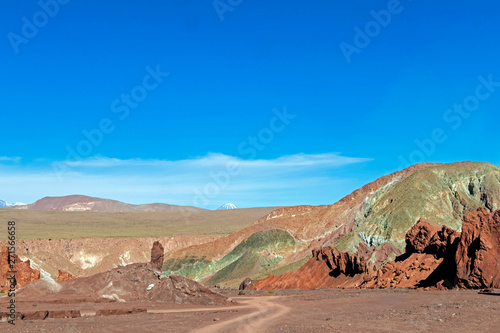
(64, 276)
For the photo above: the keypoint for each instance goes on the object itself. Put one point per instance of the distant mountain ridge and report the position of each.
(82, 203)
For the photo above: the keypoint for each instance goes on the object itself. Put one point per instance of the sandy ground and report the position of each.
(288, 311)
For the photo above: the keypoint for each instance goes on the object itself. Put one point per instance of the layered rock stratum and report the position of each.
(434, 258)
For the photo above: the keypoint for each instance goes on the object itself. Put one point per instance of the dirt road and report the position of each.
(264, 310)
(298, 311)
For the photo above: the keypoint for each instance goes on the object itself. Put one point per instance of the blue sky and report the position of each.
(170, 93)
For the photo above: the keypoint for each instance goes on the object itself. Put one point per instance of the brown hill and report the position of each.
(81, 203)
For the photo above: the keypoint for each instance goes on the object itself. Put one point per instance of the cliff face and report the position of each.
(87, 256)
(24, 274)
(134, 282)
(478, 255)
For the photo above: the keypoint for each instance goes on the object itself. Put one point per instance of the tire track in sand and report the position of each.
(265, 310)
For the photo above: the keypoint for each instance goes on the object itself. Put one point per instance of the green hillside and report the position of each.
(441, 195)
(261, 251)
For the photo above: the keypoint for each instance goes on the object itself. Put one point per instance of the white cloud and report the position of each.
(10, 159)
(206, 181)
(217, 159)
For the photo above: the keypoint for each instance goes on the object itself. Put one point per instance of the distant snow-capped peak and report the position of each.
(5, 204)
(227, 206)
(14, 204)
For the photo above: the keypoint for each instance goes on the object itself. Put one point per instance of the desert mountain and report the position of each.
(374, 217)
(81, 203)
(434, 258)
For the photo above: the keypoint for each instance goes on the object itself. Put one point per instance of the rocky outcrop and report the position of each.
(134, 282)
(89, 256)
(427, 261)
(328, 268)
(404, 274)
(64, 276)
(344, 263)
(477, 257)
(23, 272)
(245, 283)
(425, 238)
(157, 255)
(434, 258)
(444, 258)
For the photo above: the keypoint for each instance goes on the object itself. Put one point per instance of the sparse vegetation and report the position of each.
(57, 224)
(283, 269)
(247, 258)
(257, 253)
(441, 194)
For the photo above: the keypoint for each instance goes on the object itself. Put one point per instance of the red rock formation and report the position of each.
(157, 255)
(344, 263)
(64, 276)
(404, 274)
(425, 238)
(478, 253)
(428, 260)
(328, 268)
(24, 273)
